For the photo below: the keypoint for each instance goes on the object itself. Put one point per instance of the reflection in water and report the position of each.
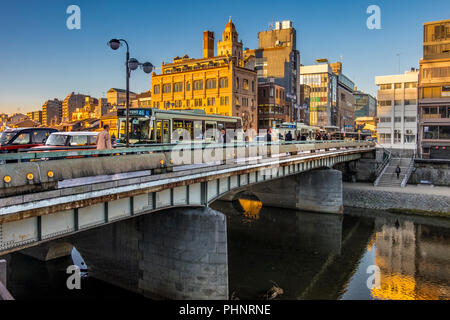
(321, 256)
(413, 259)
(308, 255)
(250, 209)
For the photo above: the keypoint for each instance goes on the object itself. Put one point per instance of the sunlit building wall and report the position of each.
(222, 84)
(434, 91)
(397, 112)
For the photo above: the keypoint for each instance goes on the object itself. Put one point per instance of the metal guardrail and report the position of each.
(49, 154)
(383, 166)
(409, 171)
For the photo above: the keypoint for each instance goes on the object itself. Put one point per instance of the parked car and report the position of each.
(14, 139)
(70, 140)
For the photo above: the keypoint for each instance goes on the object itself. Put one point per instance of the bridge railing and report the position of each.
(49, 154)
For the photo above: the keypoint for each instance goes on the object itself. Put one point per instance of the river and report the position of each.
(306, 255)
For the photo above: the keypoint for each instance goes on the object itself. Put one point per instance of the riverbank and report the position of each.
(413, 199)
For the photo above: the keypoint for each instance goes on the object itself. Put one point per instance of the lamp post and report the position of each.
(131, 64)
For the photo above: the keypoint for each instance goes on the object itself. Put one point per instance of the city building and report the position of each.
(397, 112)
(272, 111)
(51, 112)
(70, 104)
(321, 84)
(304, 105)
(365, 105)
(277, 58)
(331, 101)
(222, 84)
(434, 91)
(102, 108)
(88, 111)
(345, 100)
(142, 100)
(118, 97)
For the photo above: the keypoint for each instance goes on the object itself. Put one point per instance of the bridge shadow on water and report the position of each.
(308, 255)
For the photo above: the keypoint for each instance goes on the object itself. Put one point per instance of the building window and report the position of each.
(410, 119)
(178, 87)
(271, 92)
(156, 89)
(410, 102)
(198, 102)
(245, 102)
(198, 85)
(188, 86)
(385, 138)
(210, 83)
(224, 101)
(223, 82)
(386, 86)
(384, 119)
(237, 83)
(409, 85)
(397, 119)
(385, 103)
(430, 132)
(397, 85)
(409, 136)
(166, 88)
(245, 84)
(397, 136)
(253, 86)
(187, 103)
(211, 101)
(398, 102)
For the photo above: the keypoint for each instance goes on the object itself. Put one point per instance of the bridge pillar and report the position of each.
(320, 191)
(173, 254)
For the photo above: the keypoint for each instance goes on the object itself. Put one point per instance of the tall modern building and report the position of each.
(365, 104)
(277, 58)
(345, 119)
(397, 112)
(51, 112)
(222, 84)
(322, 87)
(434, 91)
(70, 104)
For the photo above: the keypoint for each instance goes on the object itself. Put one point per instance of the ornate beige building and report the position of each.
(222, 84)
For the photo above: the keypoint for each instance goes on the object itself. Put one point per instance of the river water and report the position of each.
(307, 255)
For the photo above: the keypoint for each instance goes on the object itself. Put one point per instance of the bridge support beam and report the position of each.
(173, 254)
(320, 191)
(49, 250)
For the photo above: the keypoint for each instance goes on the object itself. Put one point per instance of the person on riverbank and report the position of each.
(397, 171)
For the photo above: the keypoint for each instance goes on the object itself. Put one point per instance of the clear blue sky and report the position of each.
(41, 59)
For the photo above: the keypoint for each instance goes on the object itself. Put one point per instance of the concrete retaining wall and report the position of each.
(382, 200)
(436, 172)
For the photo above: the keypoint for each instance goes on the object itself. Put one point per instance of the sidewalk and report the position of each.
(419, 189)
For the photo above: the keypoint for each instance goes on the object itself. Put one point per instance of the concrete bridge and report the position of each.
(140, 216)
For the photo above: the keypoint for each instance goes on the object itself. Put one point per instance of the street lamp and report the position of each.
(131, 64)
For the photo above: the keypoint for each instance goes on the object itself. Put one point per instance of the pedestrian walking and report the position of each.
(397, 171)
(104, 139)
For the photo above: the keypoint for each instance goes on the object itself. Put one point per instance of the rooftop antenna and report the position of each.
(341, 57)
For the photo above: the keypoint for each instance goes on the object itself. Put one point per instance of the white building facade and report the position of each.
(397, 112)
